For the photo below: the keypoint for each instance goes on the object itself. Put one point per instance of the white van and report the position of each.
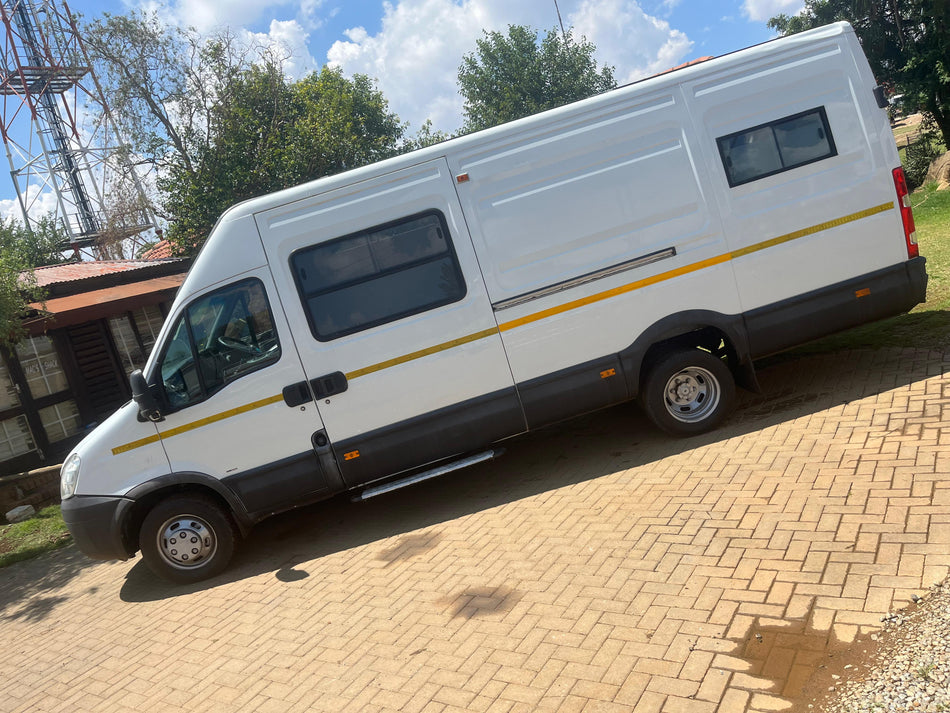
(392, 323)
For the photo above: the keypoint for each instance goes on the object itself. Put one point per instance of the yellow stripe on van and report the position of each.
(607, 294)
(178, 430)
(421, 353)
(812, 230)
(135, 444)
(528, 319)
(686, 269)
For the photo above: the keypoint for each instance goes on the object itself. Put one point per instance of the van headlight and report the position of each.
(69, 477)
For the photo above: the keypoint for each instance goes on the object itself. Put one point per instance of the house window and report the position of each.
(134, 335)
(37, 406)
(9, 397)
(378, 275)
(60, 421)
(126, 343)
(776, 147)
(148, 322)
(41, 366)
(15, 438)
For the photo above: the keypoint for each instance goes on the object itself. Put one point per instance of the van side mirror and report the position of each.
(144, 397)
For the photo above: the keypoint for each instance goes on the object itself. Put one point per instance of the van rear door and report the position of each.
(392, 321)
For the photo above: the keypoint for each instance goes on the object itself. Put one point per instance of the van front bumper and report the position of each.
(95, 523)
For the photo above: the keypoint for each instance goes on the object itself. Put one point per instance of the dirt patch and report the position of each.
(903, 666)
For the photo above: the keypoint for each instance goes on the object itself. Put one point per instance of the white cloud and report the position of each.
(763, 10)
(288, 40)
(38, 203)
(207, 15)
(627, 38)
(416, 54)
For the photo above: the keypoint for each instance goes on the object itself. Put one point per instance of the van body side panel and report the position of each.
(283, 484)
(399, 371)
(833, 308)
(849, 195)
(588, 230)
(121, 453)
(573, 391)
(415, 442)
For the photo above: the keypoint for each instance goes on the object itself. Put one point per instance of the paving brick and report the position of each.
(578, 573)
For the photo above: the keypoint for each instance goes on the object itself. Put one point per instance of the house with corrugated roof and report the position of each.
(98, 323)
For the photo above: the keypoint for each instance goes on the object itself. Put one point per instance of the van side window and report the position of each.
(777, 146)
(378, 275)
(220, 337)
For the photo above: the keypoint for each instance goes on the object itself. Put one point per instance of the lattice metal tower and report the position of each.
(55, 145)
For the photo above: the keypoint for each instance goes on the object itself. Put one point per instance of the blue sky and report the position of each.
(413, 47)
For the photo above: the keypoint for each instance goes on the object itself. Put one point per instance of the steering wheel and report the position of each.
(238, 345)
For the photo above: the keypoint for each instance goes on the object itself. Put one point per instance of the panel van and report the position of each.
(375, 328)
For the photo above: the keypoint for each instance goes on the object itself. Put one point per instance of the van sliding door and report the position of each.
(392, 321)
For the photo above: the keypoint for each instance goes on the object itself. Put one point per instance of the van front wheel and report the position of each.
(687, 392)
(187, 538)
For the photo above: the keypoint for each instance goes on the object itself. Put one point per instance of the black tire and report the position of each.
(688, 391)
(209, 538)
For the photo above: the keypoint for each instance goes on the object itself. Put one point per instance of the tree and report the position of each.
(162, 83)
(272, 133)
(511, 76)
(221, 122)
(21, 250)
(907, 43)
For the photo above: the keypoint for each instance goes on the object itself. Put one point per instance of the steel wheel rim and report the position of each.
(186, 541)
(692, 394)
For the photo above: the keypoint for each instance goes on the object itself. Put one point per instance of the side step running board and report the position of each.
(426, 474)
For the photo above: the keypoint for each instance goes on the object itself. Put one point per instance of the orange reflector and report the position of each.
(351, 455)
(863, 293)
(608, 373)
(461, 178)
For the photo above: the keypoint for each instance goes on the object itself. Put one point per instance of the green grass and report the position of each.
(927, 326)
(932, 216)
(45, 531)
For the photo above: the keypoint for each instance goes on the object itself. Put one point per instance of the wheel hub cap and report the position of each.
(692, 394)
(186, 541)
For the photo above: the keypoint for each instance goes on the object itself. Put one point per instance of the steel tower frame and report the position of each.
(46, 77)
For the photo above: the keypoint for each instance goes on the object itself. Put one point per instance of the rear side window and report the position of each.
(777, 146)
(378, 275)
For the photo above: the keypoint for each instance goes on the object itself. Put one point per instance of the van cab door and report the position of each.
(222, 366)
(392, 321)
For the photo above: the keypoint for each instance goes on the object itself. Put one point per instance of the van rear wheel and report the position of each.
(187, 538)
(688, 391)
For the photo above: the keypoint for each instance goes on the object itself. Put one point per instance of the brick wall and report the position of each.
(38, 488)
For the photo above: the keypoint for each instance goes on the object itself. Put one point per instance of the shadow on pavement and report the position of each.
(28, 587)
(565, 454)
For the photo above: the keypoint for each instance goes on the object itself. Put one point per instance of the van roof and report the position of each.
(669, 77)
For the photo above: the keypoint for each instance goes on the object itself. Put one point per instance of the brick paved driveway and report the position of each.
(597, 567)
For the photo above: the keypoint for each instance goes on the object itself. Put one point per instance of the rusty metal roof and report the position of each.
(162, 250)
(72, 271)
(106, 302)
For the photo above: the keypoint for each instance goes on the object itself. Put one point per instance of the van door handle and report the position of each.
(329, 385)
(297, 394)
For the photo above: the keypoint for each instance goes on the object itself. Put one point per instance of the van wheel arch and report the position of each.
(720, 334)
(149, 494)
